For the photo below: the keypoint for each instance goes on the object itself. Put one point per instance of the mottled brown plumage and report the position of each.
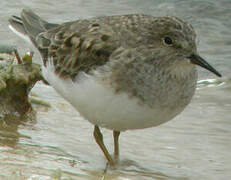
(120, 72)
(84, 44)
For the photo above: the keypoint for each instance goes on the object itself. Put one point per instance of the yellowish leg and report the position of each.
(116, 144)
(99, 140)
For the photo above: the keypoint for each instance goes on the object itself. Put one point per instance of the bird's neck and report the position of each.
(181, 70)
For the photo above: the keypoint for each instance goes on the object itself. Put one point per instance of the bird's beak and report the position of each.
(196, 59)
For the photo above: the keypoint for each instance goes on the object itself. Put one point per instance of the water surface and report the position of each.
(58, 143)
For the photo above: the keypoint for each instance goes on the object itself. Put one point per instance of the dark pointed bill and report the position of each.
(196, 59)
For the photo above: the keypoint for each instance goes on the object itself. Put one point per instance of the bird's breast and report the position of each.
(100, 103)
(153, 85)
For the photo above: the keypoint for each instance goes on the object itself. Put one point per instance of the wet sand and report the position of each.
(58, 143)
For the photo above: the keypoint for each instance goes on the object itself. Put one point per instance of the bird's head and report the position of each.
(176, 39)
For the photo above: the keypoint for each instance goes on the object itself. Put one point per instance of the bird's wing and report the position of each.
(72, 50)
(72, 47)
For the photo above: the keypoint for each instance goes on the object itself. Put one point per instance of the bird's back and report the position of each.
(83, 44)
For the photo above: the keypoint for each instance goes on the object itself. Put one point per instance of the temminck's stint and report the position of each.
(120, 72)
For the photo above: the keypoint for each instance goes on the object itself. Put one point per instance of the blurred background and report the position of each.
(58, 143)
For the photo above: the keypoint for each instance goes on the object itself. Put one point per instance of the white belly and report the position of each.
(101, 106)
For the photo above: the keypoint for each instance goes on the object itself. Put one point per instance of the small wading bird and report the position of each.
(120, 72)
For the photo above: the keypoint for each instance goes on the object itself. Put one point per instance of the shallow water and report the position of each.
(58, 144)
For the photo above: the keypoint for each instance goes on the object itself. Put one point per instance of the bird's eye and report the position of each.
(168, 41)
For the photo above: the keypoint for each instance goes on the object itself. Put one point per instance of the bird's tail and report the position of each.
(29, 25)
(16, 25)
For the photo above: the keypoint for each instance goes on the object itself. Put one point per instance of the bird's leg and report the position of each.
(116, 144)
(99, 140)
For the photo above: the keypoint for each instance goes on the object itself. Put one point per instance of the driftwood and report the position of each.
(17, 77)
